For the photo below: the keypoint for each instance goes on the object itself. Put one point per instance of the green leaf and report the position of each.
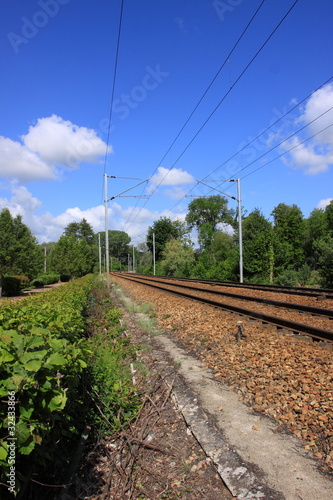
(25, 440)
(57, 344)
(17, 381)
(33, 365)
(26, 413)
(82, 363)
(56, 359)
(34, 342)
(5, 356)
(3, 450)
(27, 447)
(58, 402)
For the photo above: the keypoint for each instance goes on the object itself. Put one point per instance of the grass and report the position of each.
(148, 323)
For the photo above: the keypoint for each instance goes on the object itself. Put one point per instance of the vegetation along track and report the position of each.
(299, 318)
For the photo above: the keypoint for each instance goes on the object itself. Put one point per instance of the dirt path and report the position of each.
(31, 292)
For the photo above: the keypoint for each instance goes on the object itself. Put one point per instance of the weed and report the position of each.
(145, 308)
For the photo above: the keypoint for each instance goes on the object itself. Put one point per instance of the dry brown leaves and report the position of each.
(154, 458)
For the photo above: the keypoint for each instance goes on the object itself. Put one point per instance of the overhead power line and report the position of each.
(223, 99)
(290, 149)
(268, 128)
(113, 83)
(264, 154)
(112, 96)
(227, 59)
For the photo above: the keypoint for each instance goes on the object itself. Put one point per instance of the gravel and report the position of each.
(286, 379)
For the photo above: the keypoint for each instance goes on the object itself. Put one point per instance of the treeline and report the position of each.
(24, 262)
(287, 250)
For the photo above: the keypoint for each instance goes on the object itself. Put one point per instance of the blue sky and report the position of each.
(57, 66)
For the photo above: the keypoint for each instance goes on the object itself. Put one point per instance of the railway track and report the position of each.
(325, 334)
(291, 290)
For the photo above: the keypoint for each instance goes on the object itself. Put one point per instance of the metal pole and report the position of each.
(128, 262)
(106, 228)
(154, 254)
(133, 263)
(45, 259)
(99, 253)
(240, 232)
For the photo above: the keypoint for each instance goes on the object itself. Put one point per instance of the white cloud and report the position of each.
(308, 158)
(176, 193)
(320, 102)
(316, 155)
(51, 143)
(46, 227)
(323, 203)
(59, 141)
(172, 177)
(18, 162)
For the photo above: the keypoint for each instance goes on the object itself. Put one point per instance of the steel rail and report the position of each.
(317, 333)
(316, 311)
(307, 292)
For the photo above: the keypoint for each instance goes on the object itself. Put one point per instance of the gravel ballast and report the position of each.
(286, 380)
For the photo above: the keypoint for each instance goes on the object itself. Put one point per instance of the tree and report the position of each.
(71, 256)
(118, 245)
(19, 250)
(257, 246)
(329, 217)
(205, 214)
(81, 230)
(178, 259)
(325, 261)
(288, 237)
(316, 228)
(164, 229)
(144, 259)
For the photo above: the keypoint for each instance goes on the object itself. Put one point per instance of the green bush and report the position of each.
(37, 283)
(11, 286)
(43, 353)
(48, 278)
(25, 282)
(64, 278)
(288, 277)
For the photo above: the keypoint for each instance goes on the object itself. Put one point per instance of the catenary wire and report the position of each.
(227, 59)
(288, 151)
(270, 150)
(115, 70)
(221, 101)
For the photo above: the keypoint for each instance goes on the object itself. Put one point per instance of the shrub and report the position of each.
(11, 286)
(288, 277)
(48, 278)
(64, 278)
(25, 282)
(37, 283)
